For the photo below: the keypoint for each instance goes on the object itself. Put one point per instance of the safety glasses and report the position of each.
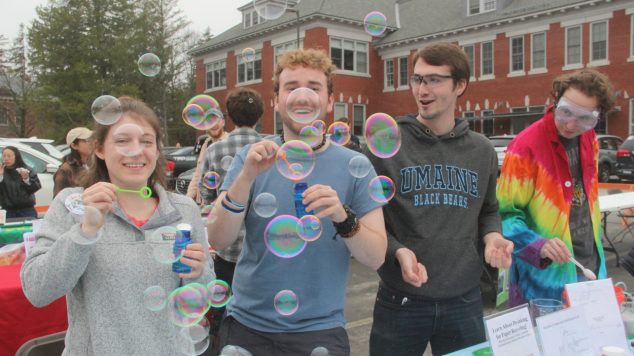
(567, 111)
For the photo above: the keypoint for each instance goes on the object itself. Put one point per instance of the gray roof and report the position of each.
(418, 18)
(426, 18)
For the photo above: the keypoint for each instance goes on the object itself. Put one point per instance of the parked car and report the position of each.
(608, 146)
(625, 159)
(183, 180)
(43, 145)
(184, 159)
(500, 143)
(43, 164)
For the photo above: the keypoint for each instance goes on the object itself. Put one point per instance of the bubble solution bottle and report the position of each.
(183, 238)
(300, 208)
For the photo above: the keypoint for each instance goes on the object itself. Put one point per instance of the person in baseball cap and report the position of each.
(74, 165)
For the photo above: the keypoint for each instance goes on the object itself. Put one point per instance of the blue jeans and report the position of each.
(403, 325)
(22, 213)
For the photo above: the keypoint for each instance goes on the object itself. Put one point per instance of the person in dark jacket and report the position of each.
(75, 163)
(18, 184)
(442, 220)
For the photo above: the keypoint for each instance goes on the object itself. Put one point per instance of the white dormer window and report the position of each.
(480, 6)
(251, 18)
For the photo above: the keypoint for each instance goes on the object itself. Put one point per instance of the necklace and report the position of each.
(320, 145)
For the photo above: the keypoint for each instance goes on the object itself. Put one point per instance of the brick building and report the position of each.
(516, 48)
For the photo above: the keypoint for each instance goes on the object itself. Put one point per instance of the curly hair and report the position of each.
(591, 83)
(311, 58)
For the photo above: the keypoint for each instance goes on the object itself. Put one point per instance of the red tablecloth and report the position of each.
(19, 320)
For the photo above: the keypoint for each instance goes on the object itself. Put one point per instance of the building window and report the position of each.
(480, 6)
(403, 77)
(485, 113)
(599, 41)
(251, 18)
(341, 110)
(249, 70)
(278, 124)
(349, 55)
(4, 117)
(486, 54)
(517, 54)
(358, 119)
(538, 50)
(537, 109)
(216, 74)
(519, 109)
(388, 79)
(281, 48)
(573, 45)
(469, 50)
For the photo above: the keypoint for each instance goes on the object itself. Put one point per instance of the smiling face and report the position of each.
(130, 152)
(292, 78)
(437, 102)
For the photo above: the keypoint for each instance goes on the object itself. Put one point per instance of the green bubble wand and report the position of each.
(145, 192)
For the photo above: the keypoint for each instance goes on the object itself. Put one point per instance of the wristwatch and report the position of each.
(348, 227)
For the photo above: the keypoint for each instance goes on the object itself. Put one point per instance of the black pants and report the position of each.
(224, 271)
(260, 343)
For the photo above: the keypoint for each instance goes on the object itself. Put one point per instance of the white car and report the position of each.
(43, 164)
(41, 144)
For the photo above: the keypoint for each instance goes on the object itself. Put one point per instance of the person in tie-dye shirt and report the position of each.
(548, 190)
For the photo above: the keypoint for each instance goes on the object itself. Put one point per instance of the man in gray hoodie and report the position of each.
(443, 212)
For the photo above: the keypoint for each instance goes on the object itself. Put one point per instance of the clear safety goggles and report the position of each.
(567, 111)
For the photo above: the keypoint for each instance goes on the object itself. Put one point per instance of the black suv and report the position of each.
(625, 159)
(608, 146)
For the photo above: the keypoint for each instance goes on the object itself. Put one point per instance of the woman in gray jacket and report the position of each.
(96, 245)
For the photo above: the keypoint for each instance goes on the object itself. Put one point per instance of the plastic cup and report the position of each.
(541, 307)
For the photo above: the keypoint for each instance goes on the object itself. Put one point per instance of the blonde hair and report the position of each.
(310, 58)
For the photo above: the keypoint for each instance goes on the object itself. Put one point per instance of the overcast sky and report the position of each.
(219, 15)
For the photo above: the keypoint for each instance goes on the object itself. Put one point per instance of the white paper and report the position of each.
(603, 315)
(511, 333)
(566, 333)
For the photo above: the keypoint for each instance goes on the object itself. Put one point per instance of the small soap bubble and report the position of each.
(225, 162)
(281, 238)
(219, 293)
(154, 298)
(129, 141)
(270, 10)
(248, 55)
(211, 180)
(375, 23)
(303, 105)
(295, 160)
(381, 189)
(359, 166)
(339, 133)
(286, 302)
(382, 135)
(309, 228)
(106, 110)
(265, 205)
(149, 64)
(161, 242)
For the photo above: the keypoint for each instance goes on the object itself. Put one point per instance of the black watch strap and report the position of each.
(348, 227)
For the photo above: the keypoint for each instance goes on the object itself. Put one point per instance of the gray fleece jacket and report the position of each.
(104, 282)
(444, 205)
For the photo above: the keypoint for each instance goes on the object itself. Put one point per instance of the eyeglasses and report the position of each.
(567, 111)
(430, 80)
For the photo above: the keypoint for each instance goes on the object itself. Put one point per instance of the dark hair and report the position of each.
(309, 58)
(137, 109)
(244, 106)
(591, 83)
(449, 54)
(73, 157)
(19, 162)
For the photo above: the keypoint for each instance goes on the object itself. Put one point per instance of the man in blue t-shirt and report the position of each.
(289, 300)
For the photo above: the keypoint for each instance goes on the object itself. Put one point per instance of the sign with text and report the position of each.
(566, 332)
(511, 332)
(598, 300)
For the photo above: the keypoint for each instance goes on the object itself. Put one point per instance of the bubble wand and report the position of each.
(145, 192)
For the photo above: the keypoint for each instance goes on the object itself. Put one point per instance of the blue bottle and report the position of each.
(300, 208)
(183, 238)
